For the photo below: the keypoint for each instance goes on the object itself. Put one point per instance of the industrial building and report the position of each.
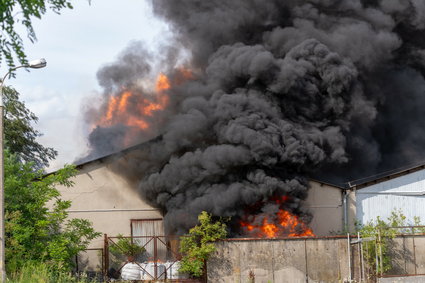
(112, 204)
(400, 190)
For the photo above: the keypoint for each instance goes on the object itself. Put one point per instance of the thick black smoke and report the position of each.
(283, 90)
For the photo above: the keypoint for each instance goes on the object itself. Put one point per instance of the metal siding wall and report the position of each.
(372, 203)
(371, 206)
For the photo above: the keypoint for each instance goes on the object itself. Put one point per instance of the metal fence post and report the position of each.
(155, 257)
(359, 256)
(362, 275)
(380, 252)
(349, 257)
(106, 256)
(376, 258)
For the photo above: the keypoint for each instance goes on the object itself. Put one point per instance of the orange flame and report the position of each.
(134, 110)
(117, 112)
(286, 224)
(118, 106)
(162, 83)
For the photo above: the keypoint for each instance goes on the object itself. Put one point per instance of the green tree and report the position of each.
(20, 136)
(37, 227)
(14, 12)
(198, 245)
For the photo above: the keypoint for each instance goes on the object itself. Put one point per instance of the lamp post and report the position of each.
(36, 64)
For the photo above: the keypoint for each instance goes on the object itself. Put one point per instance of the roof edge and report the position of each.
(385, 176)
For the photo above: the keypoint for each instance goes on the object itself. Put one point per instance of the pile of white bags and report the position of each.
(146, 271)
(130, 271)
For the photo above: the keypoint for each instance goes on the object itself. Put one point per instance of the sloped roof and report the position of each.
(144, 145)
(117, 154)
(385, 176)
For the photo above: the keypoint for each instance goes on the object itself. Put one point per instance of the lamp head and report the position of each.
(37, 64)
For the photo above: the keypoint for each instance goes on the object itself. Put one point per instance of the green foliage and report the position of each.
(13, 12)
(43, 273)
(127, 247)
(198, 245)
(20, 136)
(382, 232)
(35, 233)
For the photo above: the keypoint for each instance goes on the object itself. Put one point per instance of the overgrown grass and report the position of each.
(43, 273)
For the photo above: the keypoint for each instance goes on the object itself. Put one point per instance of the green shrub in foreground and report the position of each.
(198, 245)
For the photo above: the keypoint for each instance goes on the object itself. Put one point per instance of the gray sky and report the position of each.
(76, 44)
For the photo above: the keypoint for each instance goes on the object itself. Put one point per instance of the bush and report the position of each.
(127, 247)
(198, 245)
(383, 232)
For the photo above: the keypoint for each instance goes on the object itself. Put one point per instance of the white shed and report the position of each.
(403, 190)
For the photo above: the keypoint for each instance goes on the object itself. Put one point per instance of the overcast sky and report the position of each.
(76, 44)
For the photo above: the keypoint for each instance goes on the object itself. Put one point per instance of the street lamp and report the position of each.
(36, 64)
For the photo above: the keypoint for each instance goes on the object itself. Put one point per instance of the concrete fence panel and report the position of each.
(289, 261)
(278, 260)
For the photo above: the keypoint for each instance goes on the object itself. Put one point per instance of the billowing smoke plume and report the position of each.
(280, 90)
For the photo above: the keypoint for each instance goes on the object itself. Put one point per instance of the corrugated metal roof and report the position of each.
(385, 176)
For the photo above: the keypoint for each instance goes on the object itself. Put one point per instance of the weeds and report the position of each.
(43, 273)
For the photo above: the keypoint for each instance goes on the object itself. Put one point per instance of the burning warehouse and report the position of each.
(115, 207)
(272, 93)
(112, 203)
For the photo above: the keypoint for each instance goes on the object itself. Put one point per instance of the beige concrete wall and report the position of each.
(273, 260)
(325, 203)
(106, 199)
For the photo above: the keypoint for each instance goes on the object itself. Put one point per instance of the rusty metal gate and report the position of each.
(160, 259)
